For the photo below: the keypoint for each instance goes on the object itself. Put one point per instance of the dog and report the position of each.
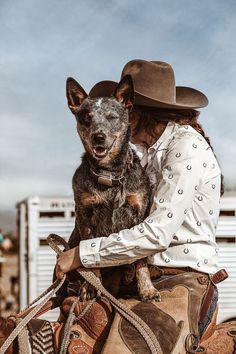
(111, 190)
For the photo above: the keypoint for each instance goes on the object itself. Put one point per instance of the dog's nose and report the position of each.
(98, 138)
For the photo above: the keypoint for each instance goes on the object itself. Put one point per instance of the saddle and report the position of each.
(100, 326)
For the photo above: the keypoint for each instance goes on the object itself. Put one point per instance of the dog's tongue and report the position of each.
(100, 151)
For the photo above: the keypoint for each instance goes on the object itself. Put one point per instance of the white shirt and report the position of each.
(180, 230)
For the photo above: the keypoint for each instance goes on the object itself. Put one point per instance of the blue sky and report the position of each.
(43, 42)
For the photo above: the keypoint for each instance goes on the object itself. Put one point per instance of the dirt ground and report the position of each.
(9, 285)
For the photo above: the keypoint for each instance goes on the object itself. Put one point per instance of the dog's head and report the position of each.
(103, 122)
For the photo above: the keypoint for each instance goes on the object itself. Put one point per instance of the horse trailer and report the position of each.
(40, 216)
(37, 218)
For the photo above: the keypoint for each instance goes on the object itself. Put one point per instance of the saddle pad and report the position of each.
(41, 337)
(168, 319)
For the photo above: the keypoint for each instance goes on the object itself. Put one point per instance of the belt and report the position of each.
(157, 272)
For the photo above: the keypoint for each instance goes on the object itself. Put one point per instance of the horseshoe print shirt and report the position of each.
(180, 230)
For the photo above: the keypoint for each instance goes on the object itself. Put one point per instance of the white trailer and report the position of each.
(38, 217)
(226, 239)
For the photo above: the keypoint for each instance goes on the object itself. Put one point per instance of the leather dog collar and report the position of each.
(110, 179)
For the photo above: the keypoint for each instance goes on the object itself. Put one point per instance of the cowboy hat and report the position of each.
(154, 85)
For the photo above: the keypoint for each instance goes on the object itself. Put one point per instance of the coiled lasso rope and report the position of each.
(91, 278)
(47, 294)
(124, 311)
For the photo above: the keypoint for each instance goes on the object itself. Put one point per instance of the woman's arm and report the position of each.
(182, 170)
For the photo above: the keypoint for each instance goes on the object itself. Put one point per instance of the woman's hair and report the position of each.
(148, 117)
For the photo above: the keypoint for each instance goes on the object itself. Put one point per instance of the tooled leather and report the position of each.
(196, 293)
(167, 335)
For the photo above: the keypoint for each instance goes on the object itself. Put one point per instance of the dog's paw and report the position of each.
(150, 294)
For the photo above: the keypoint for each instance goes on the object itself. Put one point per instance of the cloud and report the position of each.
(43, 42)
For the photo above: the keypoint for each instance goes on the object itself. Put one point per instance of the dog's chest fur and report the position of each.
(97, 213)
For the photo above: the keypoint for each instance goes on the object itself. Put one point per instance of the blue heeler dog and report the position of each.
(111, 190)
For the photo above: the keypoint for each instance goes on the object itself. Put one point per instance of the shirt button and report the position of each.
(189, 240)
(200, 198)
(186, 250)
(199, 223)
(178, 154)
(204, 164)
(93, 244)
(137, 247)
(186, 210)
(210, 212)
(167, 260)
(180, 191)
(195, 146)
(170, 176)
(118, 238)
(189, 167)
(150, 221)
(213, 186)
(84, 260)
(141, 230)
(161, 200)
(169, 215)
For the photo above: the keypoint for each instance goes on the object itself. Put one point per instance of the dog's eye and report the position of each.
(84, 117)
(112, 116)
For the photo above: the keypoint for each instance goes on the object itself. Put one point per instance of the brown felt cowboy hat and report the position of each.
(154, 85)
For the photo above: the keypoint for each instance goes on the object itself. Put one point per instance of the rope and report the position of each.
(91, 278)
(67, 328)
(23, 341)
(125, 312)
(49, 293)
(128, 314)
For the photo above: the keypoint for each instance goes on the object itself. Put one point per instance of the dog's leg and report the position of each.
(147, 291)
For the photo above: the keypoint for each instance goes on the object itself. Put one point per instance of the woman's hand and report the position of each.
(67, 261)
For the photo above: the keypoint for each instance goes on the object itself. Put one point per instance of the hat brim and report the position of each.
(186, 97)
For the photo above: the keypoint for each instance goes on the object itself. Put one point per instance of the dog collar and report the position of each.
(110, 179)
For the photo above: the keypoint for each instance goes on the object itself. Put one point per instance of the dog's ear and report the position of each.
(124, 92)
(75, 94)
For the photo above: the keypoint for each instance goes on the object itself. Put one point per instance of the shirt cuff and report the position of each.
(89, 252)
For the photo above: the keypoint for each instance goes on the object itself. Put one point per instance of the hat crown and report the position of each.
(154, 79)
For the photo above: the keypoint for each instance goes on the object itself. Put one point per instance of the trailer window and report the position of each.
(225, 239)
(227, 213)
(43, 242)
(51, 214)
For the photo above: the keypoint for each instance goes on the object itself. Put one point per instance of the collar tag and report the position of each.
(106, 180)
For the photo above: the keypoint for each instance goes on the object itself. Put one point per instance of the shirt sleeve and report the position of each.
(181, 172)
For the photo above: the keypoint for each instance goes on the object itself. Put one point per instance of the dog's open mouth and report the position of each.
(100, 151)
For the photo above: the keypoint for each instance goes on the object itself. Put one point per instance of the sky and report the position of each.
(43, 42)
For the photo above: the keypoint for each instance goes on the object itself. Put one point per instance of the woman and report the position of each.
(178, 237)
